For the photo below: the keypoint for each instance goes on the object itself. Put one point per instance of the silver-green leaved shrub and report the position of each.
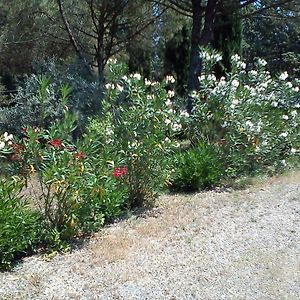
(252, 117)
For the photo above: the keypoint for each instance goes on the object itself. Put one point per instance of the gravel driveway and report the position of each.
(228, 245)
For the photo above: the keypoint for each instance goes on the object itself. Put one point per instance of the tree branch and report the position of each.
(72, 37)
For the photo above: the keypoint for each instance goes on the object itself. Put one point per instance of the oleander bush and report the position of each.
(252, 118)
(196, 169)
(76, 193)
(138, 124)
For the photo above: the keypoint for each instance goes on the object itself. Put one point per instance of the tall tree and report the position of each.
(205, 19)
(227, 34)
(177, 58)
(274, 35)
(99, 29)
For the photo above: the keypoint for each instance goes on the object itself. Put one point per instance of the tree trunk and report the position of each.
(199, 39)
(99, 50)
(195, 61)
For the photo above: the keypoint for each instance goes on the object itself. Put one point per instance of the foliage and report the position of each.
(241, 123)
(196, 169)
(274, 36)
(37, 105)
(138, 123)
(253, 118)
(75, 194)
(20, 227)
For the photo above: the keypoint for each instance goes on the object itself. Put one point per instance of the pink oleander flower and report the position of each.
(56, 143)
(120, 171)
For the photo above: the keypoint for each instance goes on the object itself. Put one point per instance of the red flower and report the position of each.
(18, 148)
(124, 170)
(79, 155)
(55, 143)
(118, 172)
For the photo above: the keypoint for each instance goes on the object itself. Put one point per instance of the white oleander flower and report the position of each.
(7, 137)
(184, 113)
(285, 117)
(194, 94)
(111, 61)
(293, 151)
(109, 86)
(235, 101)
(235, 83)
(211, 77)
(249, 124)
(283, 76)
(170, 78)
(168, 103)
(154, 83)
(241, 65)
(176, 127)
(147, 82)
(283, 134)
(137, 76)
(253, 73)
(258, 128)
(235, 57)
(218, 57)
(171, 94)
(262, 62)
(294, 113)
(264, 84)
(2, 145)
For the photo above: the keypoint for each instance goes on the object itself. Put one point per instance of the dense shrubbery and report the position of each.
(252, 118)
(244, 123)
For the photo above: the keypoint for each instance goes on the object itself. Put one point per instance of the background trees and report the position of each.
(154, 37)
(274, 35)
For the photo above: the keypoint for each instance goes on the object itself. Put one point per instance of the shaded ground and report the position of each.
(229, 245)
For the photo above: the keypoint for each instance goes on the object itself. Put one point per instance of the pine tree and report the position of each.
(177, 58)
(227, 34)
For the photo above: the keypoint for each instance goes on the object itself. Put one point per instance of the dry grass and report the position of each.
(168, 248)
(112, 247)
(117, 242)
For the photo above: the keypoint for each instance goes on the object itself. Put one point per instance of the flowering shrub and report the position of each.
(137, 125)
(123, 158)
(76, 189)
(252, 117)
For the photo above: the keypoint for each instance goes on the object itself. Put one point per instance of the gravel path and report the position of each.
(229, 245)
